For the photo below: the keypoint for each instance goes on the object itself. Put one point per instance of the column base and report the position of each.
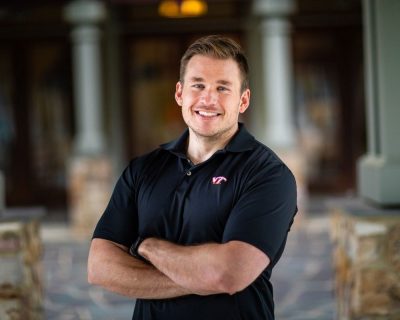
(366, 260)
(379, 180)
(90, 182)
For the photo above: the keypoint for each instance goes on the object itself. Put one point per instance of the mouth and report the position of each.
(207, 114)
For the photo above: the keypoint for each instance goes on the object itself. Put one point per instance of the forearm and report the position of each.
(111, 267)
(202, 269)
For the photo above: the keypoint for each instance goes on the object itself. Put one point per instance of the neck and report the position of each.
(200, 148)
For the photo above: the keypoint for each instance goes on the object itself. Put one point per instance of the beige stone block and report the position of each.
(10, 309)
(369, 250)
(367, 258)
(373, 291)
(395, 291)
(340, 229)
(11, 276)
(10, 239)
(90, 183)
(21, 292)
(16, 309)
(393, 247)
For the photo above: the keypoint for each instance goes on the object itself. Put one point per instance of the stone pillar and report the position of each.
(277, 129)
(85, 15)
(379, 169)
(277, 71)
(90, 180)
(21, 291)
(367, 238)
(366, 260)
(89, 169)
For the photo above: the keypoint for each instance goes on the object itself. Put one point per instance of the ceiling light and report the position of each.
(193, 7)
(169, 8)
(182, 8)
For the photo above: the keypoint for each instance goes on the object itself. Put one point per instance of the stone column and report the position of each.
(367, 238)
(379, 169)
(277, 129)
(277, 71)
(89, 171)
(85, 15)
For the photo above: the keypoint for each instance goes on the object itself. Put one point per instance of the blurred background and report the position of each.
(138, 65)
(87, 85)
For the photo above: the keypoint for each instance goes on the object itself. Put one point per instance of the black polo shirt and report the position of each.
(243, 192)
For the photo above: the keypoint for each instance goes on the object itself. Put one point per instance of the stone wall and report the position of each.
(89, 189)
(367, 261)
(21, 292)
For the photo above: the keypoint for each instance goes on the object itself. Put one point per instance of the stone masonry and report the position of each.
(367, 261)
(21, 294)
(90, 182)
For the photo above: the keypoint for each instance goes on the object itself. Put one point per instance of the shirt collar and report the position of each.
(242, 141)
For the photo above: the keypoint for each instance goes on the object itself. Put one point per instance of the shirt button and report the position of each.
(188, 173)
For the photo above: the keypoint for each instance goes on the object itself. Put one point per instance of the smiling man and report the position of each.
(194, 228)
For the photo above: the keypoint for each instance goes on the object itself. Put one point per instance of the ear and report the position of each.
(244, 101)
(178, 93)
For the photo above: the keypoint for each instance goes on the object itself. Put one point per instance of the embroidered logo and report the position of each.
(219, 180)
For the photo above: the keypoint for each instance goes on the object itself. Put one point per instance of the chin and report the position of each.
(207, 133)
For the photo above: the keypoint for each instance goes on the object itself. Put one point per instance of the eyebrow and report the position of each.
(200, 79)
(225, 82)
(196, 79)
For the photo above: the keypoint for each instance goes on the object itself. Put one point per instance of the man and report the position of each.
(194, 228)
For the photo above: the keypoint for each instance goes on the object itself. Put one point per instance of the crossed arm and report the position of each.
(176, 270)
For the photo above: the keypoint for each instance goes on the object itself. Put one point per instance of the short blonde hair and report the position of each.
(219, 47)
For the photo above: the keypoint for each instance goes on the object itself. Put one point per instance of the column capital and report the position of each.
(273, 7)
(85, 11)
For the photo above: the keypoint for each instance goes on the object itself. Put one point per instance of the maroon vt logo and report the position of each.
(219, 180)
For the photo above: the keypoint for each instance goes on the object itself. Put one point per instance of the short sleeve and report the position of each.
(264, 212)
(119, 221)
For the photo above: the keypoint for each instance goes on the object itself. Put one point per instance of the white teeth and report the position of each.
(207, 114)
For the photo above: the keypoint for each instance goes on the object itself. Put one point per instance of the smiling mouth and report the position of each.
(207, 114)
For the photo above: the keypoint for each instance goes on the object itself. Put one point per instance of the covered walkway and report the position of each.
(303, 278)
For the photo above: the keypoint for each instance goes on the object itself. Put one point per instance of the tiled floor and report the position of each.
(303, 278)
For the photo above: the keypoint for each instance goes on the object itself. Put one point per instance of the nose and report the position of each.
(208, 97)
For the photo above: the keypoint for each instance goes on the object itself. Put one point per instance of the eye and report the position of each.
(222, 89)
(198, 86)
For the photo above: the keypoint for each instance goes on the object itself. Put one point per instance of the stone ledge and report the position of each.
(359, 207)
(22, 214)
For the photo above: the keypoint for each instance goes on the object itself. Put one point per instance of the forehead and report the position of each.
(210, 67)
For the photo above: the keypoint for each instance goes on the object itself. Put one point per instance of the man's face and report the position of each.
(211, 98)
